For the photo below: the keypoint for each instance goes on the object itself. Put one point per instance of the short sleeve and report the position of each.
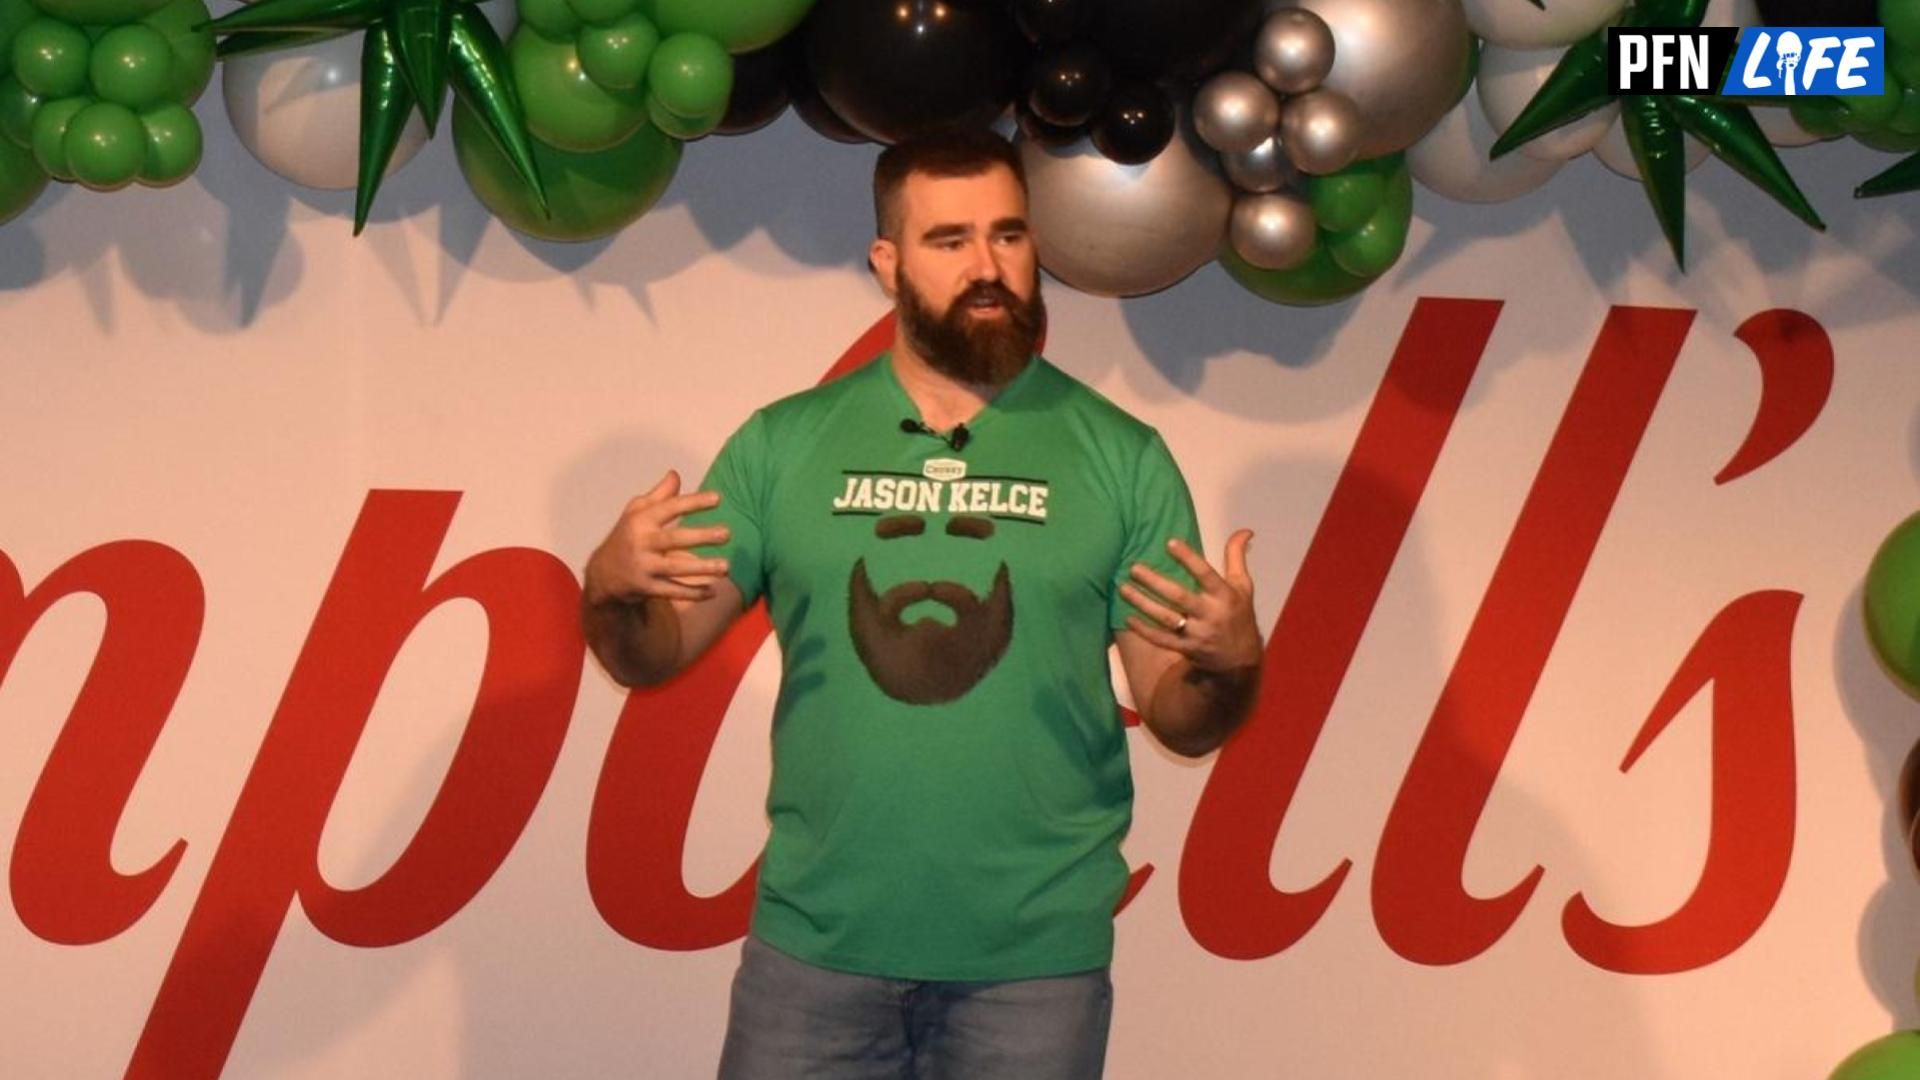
(738, 474)
(1158, 508)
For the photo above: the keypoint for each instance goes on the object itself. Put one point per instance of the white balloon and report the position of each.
(1452, 160)
(1733, 13)
(1518, 24)
(298, 111)
(1615, 154)
(1508, 80)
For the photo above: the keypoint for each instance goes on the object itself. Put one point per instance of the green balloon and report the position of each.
(554, 18)
(183, 24)
(1896, 1057)
(565, 108)
(1902, 20)
(738, 25)
(50, 58)
(1821, 116)
(17, 106)
(1345, 200)
(132, 65)
(49, 137)
(14, 16)
(691, 75)
(1872, 111)
(589, 195)
(1906, 119)
(616, 56)
(21, 180)
(1889, 140)
(1890, 600)
(1373, 248)
(106, 145)
(173, 145)
(684, 128)
(1317, 281)
(98, 12)
(603, 12)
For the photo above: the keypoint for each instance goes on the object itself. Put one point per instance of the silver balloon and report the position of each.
(1293, 51)
(1125, 230)
(1403, 62)
(1273, 232)
(298, 112)
(1320, 131)
(1263, 169)
(1235, 112)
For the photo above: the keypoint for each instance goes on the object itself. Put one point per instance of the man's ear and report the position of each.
(883, 258)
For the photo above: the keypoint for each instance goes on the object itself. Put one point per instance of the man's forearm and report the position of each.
(638, 643)
(1193, 711)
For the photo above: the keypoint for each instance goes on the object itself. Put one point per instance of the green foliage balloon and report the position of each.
(1891, 602)
(21, 180)
(99, 12)
(565, 107)
(589, 195)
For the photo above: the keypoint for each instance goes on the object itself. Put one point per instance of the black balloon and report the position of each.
(1051, 20)
(760, 91)
(1136, 124)
(893, 68)
(1044, 133)
(1821, 13)
(1069, 85)
(807, 105)
(1185, 39)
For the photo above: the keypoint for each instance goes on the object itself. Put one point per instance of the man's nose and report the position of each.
(985, 265)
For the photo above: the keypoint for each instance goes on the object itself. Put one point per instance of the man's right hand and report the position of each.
(647, 554)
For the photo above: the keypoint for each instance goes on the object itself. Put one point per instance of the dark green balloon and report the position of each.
(98, 12)
(1317, 281)
(1821, 116)
(1345, 200)
(183, 24)
(50, 133)
(50, 58)
(106, 146)
(589, 195)
(21, 180)
(14, 14)
(173, 145)
(132, 65)
(17, 105)
(1373, 248)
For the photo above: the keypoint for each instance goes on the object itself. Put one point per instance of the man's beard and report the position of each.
(984, 352)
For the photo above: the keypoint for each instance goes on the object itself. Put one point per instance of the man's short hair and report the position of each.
(945, 152)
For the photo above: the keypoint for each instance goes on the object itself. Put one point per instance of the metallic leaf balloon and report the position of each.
(386, 105)
(1125, 230)
(1732, 134)
(1235, 112)
(1263, 169)
(1902, 177)
(1401, 62)
(1321, 131)
(1659, 149)
(1293, 51)
(1272, 232)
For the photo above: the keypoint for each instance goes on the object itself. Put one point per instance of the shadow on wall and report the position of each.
(1884, 717)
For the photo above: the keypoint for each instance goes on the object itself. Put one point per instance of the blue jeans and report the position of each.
(790, 1020)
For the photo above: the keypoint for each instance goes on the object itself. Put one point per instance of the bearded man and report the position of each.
(948, 539)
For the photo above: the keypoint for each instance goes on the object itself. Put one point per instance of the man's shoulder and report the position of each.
(1065, 392)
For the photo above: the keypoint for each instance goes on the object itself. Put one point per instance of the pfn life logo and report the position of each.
(1748, 61)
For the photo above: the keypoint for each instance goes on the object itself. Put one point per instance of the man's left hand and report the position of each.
(1213, 628)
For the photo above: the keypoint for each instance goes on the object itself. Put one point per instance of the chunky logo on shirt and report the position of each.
(913, 656)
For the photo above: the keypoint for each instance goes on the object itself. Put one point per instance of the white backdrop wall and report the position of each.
(220, 373)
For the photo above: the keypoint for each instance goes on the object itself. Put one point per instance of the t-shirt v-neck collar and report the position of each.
(988, 412)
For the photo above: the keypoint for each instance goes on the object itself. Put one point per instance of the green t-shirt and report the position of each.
(950, 778)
